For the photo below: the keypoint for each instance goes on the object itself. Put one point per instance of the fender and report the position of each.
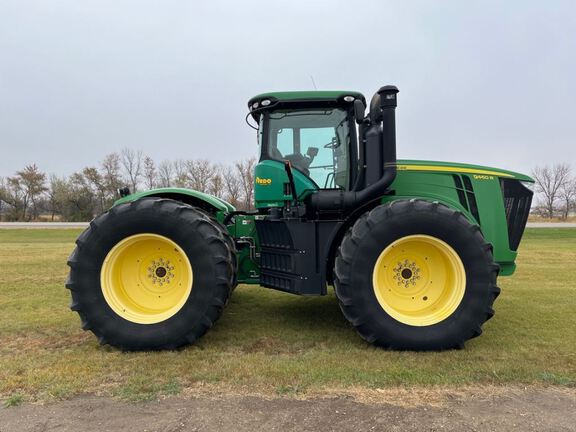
(210, 203)
(441, 199)
(338, 234)
(502, 254)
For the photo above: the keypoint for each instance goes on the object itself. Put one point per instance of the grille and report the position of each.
(471, 198)
(517, 201)
(466, 195)
(460, 191)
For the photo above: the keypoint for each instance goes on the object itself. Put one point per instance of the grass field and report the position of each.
(272, 342)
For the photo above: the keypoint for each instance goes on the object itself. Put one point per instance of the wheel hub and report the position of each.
(406, 273)
(160, 271)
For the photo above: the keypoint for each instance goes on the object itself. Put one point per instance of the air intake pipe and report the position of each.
(377, 162)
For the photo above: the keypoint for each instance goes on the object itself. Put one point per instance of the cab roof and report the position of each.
(333, 96)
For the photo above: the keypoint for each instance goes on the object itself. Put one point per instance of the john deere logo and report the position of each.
(263, 181)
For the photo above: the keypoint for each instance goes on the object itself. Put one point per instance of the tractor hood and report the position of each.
(477, 170)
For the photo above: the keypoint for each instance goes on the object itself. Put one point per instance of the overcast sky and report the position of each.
(491, 83)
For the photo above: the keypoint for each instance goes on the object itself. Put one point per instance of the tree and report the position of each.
(217, 186)
(149, 173)
(22, 192)
(112, 177)
(165, 171)
(56, 201)
(2, 206)
(567, 195)
(200, 173)
(132, 162)
(12, 194)
(232, 186)
(180, 174)
(78, 199)
(31, 183)
(245, 170)
(97, 184)
(549, 181)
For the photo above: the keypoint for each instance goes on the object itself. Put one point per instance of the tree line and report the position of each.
(31, 194)
(555, 190)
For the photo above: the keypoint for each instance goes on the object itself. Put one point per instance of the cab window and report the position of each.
(315, 141)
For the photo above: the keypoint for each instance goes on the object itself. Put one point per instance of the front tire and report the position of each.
(150, 274)
(416, 275)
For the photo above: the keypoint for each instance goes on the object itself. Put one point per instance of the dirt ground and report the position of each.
(543, 409)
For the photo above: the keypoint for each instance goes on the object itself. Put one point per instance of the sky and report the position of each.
(491, 82)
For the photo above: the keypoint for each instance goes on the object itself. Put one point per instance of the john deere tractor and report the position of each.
(412, 248)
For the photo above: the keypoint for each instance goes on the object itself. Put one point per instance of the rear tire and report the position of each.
(112, 276)
(229, 242)
(386, 267)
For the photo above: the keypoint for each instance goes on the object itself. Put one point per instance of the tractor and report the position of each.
(412, 248)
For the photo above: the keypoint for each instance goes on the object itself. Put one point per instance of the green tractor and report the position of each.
(412, 248)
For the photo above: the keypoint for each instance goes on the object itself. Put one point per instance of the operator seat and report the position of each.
(299, 162)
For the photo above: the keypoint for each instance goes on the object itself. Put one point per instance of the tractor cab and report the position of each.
(315, 132)
(310, 152)
(317, 138)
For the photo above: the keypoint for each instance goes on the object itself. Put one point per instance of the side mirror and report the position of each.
(359, 109)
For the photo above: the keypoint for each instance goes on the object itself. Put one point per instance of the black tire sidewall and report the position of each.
(390, 223)
(193, 234)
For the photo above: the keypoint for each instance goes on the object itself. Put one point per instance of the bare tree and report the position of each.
(165, 172)
(149, 173)
(33, 184)
(12, 193)
(111, 174)
(70, 202)
(200, 173)
(549, 181)
(567, 195)
(2, 206)
(180, 174)
(245, 169)
(54, 204)
(22, 192)
(77, 199)
(97, 184)
(232, 186)
(132, 162)
(217, 182)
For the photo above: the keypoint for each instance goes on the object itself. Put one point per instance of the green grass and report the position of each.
(276, 343)
(14, 400)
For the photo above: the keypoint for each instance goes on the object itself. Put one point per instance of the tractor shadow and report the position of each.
(263, 320)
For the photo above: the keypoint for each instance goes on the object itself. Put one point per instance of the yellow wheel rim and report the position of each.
(146, 278)
(419, 280)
